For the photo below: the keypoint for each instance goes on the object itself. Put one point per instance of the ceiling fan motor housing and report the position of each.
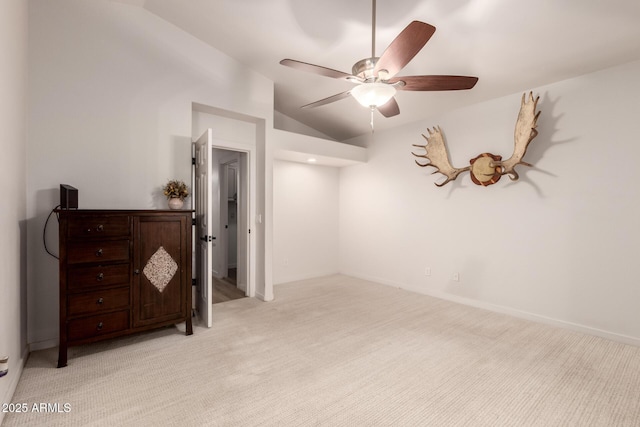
(364, 68)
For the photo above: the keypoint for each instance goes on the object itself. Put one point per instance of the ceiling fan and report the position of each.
(376, 76)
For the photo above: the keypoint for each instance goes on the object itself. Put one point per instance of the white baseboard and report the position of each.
(14, 375)
(289, 279)
(43, 345)
(263, 297)
(613, 336)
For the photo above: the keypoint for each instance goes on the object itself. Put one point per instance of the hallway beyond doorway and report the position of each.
(224, 290)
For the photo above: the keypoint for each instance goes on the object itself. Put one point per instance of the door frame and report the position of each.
(248, 179)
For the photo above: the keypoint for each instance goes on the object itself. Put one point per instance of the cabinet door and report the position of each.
(160, 279)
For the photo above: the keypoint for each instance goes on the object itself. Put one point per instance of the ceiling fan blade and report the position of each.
(434, 83)
(389, 109)
(328, 100)
(315, 69)
(404, 47)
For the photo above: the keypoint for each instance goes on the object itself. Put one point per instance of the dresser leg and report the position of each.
(189, 326)
(62, 356)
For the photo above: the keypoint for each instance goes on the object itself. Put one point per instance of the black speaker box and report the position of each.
(68, 197)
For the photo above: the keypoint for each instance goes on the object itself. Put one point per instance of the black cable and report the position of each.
(44, 233)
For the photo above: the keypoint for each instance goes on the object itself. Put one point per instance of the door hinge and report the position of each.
(193, 221)
(193, 161)
(207, 238)
(193, 282)
(249, 231)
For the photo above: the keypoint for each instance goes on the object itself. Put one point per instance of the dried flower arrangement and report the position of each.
(176, 190)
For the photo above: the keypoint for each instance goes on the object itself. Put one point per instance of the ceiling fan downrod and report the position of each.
(373, 28)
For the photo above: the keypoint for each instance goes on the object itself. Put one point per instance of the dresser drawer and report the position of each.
(97, 251)
(94, 326)
(79, 278)
(97, 301)
(99, 226)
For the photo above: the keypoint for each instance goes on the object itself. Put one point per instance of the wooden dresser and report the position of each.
(122, 271)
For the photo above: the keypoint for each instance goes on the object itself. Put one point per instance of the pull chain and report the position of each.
(372, 110)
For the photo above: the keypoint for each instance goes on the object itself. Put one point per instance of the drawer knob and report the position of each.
(99, 277)
(100, 228)
(136, 271)
(99, 252)
(100, 301)
(99, 327)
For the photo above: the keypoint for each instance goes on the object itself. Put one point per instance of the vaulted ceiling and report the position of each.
(511, 45)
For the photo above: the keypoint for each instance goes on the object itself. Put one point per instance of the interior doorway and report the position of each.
(230, 283)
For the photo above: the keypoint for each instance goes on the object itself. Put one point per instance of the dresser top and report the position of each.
(121, 211)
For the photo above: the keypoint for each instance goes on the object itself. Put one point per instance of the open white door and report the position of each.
(204, 238)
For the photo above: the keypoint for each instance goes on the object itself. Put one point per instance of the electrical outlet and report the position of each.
(456, 277)
(427, 271)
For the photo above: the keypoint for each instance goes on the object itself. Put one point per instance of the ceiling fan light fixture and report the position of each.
(373, 94)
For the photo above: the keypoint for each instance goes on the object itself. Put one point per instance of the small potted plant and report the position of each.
(176, 191)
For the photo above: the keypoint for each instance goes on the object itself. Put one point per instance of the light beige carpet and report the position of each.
(338, 351)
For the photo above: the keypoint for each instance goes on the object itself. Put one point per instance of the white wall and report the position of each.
(223, 128)
(558, 245)
(286, 123)
(111, 93)
(299, 148)
(305, 211)
(13, 112)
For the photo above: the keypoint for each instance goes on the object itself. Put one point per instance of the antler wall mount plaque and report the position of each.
(486, 168)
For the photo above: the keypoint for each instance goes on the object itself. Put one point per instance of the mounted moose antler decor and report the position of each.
(486, 168)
